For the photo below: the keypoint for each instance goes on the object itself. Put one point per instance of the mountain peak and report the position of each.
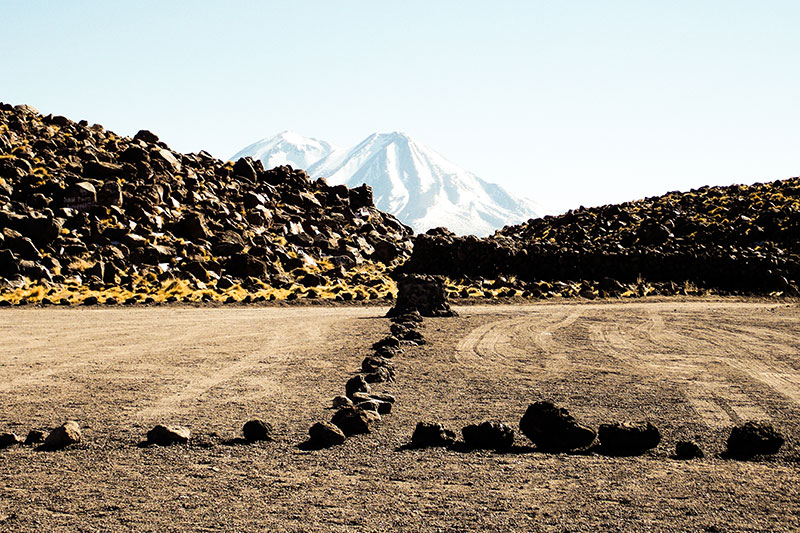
(287, 148)
(410, 180)
(294, 137)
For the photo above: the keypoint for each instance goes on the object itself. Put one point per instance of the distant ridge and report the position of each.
(287, 148)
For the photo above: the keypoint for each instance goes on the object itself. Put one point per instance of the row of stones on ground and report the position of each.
(69, 433)
(550, 428)
(359, 409)
(553, 430)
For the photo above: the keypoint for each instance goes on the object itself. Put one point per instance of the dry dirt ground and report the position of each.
(694, 368)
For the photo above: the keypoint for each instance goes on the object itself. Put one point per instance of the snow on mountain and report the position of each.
(287, 148)
(418, 185)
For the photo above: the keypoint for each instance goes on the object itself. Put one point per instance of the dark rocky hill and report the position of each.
(742, 239)
(87, 215)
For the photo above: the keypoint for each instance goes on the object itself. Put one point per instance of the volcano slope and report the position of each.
(692, 367)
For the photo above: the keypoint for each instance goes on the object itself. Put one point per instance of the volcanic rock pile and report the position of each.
(87, 216)
(738, 240)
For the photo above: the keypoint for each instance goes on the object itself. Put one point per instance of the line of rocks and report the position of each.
(360, 409)
(62, 436)
(550, 428)
(160, 435)
(553, 430)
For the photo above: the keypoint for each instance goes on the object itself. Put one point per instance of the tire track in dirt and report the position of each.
(556, 360)
(782, 379)
(274, 349)
(642, 348)
(499, 341)
(646, 343)
(716, 397)
(701, 356)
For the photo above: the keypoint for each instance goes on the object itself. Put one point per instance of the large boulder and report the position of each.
(64, 435)
(490, 435)
(422, 293)
(754, 438)
(553, 429)
(628, 438)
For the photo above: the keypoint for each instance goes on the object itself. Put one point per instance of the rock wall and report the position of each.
(731, 239)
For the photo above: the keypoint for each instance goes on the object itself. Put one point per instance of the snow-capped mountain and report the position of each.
(287, 148)
(413, 182)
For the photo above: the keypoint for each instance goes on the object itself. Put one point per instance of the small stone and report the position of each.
(356, 384)
(409, 319)
(688, 450)
(754, 438)
(430, 434)
(369, 405)
(325, 435)
(167, 435)
(371, 364)
(383, 397)
(387, 342)
(628, 438)
(255, 430)
(380, 375)
(9, 439)
(355, 421)
(34, 437)
(64, 435)
(384, 408)
(341, 401)
(361, 397)
(146, 136)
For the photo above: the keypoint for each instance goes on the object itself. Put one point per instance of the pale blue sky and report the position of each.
(567, 102)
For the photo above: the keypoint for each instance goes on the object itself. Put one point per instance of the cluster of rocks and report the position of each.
(736, 240)
(553, 430)
(360, 408)
(83, 210)
(67, 433)
(487, 435)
